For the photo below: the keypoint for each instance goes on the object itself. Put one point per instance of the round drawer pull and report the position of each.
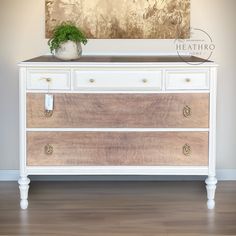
(187, 150)
(48, 114)
(188, 80)
(145, 81)
(187, 111)
(91, 80)
(48, 80)
(48, 149)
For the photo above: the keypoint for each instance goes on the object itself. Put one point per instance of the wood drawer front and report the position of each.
(179, 79)
(117, 80)
(48, 79)
(119, 111)
(117, 148)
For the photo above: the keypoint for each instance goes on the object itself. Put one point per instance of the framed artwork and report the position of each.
(122, 19)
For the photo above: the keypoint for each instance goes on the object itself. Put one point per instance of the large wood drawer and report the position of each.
(120, 111)
(117, 148)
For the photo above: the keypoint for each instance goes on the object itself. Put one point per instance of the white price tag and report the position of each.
(48, 102)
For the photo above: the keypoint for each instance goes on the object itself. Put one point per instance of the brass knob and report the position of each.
(91, 80)
(187, 111)
(187, 150)
(145, 81)
(46, 79)
(188, 80)
(48, 149)
(48, 114)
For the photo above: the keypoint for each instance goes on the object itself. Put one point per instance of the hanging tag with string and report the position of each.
(48, 101)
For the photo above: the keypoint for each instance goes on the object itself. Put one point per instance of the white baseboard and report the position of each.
(9, 175)
(222, 175)
(226, 174)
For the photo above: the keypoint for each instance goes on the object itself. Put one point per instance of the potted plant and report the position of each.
(66, 40)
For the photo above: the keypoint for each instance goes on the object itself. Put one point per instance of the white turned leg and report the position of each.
(211, 182)
(24, 188)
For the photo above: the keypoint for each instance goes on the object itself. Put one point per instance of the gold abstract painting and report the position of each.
(127, 19)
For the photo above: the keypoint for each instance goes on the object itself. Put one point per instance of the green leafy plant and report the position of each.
(65, 32)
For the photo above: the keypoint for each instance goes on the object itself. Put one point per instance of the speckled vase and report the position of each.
(69, 51)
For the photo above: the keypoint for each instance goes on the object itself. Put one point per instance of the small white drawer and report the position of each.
(117, 80)
(188, 79)
(52, 79)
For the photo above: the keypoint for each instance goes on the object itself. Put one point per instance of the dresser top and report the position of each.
(121, 59)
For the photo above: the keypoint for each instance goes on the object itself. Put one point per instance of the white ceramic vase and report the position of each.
(69, 51)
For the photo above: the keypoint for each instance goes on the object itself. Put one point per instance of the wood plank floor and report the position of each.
(118, 208)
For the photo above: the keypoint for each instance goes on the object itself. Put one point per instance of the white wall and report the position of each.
(22, 37)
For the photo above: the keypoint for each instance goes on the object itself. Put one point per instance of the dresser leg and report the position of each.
(24, 188)
(211, 182)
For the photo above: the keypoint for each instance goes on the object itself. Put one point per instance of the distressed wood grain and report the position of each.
(119, 111)
(117, 148)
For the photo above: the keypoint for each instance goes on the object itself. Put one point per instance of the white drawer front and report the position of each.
(48, 79)
(117, 80)
(179, 79)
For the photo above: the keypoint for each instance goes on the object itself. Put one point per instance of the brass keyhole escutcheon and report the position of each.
(48, 114)
(187, 111)
(187, 150)
(48, 149)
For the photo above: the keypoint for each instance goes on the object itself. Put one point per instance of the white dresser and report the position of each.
(104, 115)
